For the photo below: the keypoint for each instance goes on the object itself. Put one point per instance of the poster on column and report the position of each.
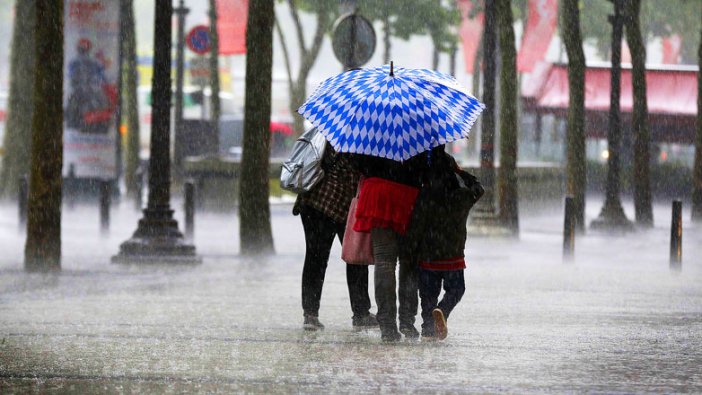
(90, 93)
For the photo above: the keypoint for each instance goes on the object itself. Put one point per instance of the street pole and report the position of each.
(181, 12)
(157, 238)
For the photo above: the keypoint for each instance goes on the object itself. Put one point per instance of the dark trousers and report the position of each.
(320, 231)
(386, 252)
(429, 289)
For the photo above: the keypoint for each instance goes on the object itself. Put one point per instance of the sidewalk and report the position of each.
(616, 320)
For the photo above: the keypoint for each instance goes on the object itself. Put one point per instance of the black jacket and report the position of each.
(437, 229)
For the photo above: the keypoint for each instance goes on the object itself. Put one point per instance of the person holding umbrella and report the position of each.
(390, 119)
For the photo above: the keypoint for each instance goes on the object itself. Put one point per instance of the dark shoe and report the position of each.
(312, 323)
(440, 327)
(409, 331)
(364, 322)
(428, 333)
(390, 335)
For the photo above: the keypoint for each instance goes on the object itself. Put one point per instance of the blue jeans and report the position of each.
(429, 289)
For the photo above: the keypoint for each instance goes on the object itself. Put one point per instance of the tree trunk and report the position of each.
(215, 109)
(642, 138)
(487, 130)
(576, 165)
(435, 58)
(130, 98)
(18, 136)
(255, 222)
(476, 89)
(43, 245)
(507, 181)
(697, 170)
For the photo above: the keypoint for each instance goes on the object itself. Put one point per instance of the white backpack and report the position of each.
(303, 169)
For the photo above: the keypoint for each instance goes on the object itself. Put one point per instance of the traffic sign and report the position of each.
(200, 71)
(353, 40)
(198, 39)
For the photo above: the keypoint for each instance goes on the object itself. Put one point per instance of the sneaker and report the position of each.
(409, 331)
(440, 327)
(312, 323)
(364, 322)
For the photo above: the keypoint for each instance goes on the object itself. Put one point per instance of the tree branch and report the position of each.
(286, 55)
(298, 27)
(311, 55)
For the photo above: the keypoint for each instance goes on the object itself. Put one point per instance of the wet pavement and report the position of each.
(616, 320)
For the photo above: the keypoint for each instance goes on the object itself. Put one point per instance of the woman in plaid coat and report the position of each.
(323, 211)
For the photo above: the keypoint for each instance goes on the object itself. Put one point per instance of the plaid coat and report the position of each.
(332, 196)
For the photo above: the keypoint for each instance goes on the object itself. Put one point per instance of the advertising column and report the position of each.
(91, 76)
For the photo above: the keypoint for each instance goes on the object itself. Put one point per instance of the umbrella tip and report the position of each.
(392, 74)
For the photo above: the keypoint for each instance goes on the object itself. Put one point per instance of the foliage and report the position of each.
(658, 19)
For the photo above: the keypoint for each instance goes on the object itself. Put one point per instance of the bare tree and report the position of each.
(576, 165)
(254, 213)
(507, 177)
(324, 12)
(642, 137)
(18, 137)
(43, 246)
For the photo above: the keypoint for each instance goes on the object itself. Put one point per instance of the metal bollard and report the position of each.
(569, 230)
(105, 190)
(140, 189)
(189, 210)
(676, 237)
(22, 201)
(71, 186)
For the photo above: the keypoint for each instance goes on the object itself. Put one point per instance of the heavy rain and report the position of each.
(517, 185)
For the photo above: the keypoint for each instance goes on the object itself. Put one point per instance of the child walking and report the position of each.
(439, 234)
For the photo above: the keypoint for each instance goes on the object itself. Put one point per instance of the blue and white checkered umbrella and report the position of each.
(391, 113)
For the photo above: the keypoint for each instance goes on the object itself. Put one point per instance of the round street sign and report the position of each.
(198, 39)
(353, 40)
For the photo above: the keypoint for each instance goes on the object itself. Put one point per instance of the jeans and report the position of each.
(386, 251)
(320, 231)
(429, 289)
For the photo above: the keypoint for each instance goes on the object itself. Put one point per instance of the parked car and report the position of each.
(231, 135)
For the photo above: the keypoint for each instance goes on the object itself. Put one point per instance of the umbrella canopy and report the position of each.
(392, 113)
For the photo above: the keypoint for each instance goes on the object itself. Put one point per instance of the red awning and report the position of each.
(231, 26)
(670, 90)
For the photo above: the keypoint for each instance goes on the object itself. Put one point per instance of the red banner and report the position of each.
(470, 32)
(231, 26)
(671, 49)
(541, 24)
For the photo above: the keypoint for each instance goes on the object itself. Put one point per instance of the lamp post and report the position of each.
(157, 238)
(181, 12)
(612, 216)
